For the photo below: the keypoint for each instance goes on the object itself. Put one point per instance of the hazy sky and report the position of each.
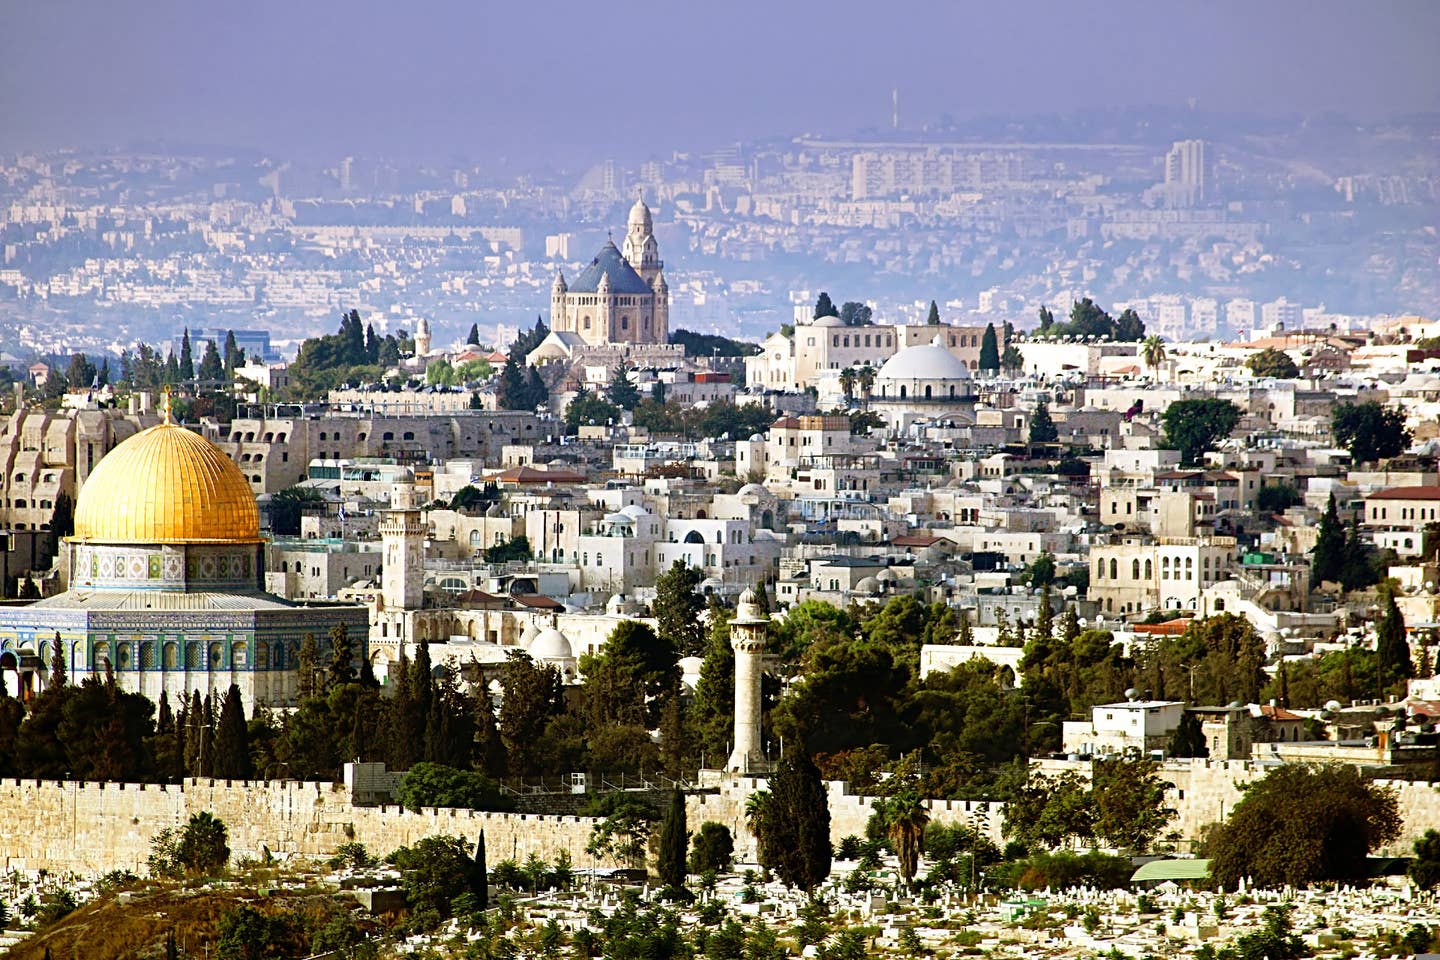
(536, 78)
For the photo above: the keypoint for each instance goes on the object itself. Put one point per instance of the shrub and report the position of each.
(203, 845)
(1062, 870)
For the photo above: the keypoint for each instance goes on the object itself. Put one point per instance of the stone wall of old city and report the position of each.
(97, 827)
(90, 827)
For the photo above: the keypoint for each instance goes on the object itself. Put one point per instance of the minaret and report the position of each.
(422, 338)
(402, 534)
(747, 636)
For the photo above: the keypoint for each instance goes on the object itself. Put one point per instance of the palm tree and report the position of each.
(847, 382)
(1153, 351)
(905, 818)
(755, 806)
(866, 376)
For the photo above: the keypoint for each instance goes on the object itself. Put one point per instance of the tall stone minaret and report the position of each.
(402, 534)
(747, 636)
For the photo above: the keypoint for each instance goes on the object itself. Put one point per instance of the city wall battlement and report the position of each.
(88, 827)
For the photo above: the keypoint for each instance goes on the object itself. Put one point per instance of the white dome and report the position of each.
(867, 585)
(827, 321)
(635, 511)
(928, 362)
(529, 633)
(617, 518)
(551, 645)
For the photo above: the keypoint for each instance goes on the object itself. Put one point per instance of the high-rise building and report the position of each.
(1185, 179)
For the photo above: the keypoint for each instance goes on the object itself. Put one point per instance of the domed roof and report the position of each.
(634, 511)
(551, 645)
(167, 485)
(867, 585)
(754, 490)
(928, 362)
(829, 320)
(618, 275)
(640, 215)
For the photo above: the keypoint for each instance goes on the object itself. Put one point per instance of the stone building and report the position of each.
(166, 566)
(622, 296)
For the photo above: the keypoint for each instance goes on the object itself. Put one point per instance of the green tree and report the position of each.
(204, 845)
(905, 817)
(232, 739)
(1049, 811)
(670, 865)
(712, 711)
(623, 831)
(516, 548)
(989, 351)
(621, 390)
(1273, 363)
(933, 318)
(211, 368)
(1129, 799)
(287, 506)
(678, 608)
(436, 785)
(533, 697)
(1042, 426)
(1194, 426)
(1327, 559)
(712, 848)
(585, 408)
(341, 667)
(434, 872)
(1040, 572)
(81, 373)
(627, 682)
(1392, 648)
(1425, 868)
(1371, 431)
(1012, 361)
(1152, 351)
(1129, 328)
(1188, 740)
(795, 839)
(234, 356)
(855, 314)
(474, 336)
(824, 308)
(186, 368)
(1304, 824)
(511, 394)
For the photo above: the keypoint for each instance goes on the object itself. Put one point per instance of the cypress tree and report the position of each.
(233, 354)
(211, 368)
(232, 739)
(1328, 557)
(673, 840)
(206, 753)
(536, 392)
(989, 350)
(372, 345)
(342, 657)
(480, 874)
(1042, 425)
(57, 663)
(795, 844)
(1356, 572)
(933, 319)
(193, 722)
(307, 672)
(186, 367)
(825, 307)
(1392, 649)
(474, 338)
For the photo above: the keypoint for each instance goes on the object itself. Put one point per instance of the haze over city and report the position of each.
(565, 83)
(748, 481)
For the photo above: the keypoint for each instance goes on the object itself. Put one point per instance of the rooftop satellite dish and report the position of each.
(1132, 694)
(1332, 705)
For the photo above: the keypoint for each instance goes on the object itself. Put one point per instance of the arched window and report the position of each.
(1114, 569)
(1149, 569)
(1135, 569)
(927, 391)
(474, 538)
(1100, 569)
(902, 391)
(172, 655)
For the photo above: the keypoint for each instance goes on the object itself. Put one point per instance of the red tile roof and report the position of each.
(1407, 493)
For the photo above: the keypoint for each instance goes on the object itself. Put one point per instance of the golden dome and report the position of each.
(167, 485)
